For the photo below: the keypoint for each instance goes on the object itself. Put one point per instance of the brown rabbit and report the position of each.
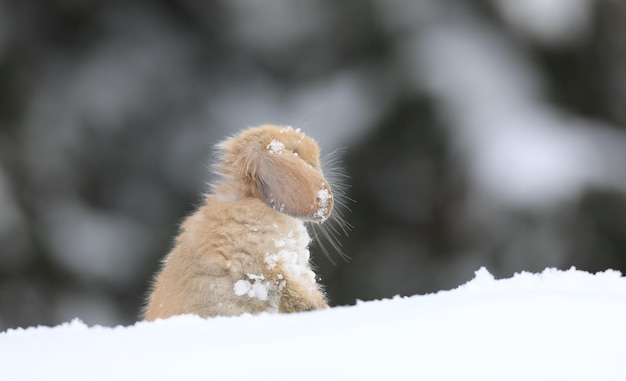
(245, 250)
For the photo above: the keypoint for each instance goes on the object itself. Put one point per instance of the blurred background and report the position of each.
(475, 133)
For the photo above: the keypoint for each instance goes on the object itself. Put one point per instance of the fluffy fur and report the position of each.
(245, 250)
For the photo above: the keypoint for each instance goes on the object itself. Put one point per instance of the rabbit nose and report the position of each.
(324, 204)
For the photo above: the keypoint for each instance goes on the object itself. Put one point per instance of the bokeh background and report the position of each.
(475, 133)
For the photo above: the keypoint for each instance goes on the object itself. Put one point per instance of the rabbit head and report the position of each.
(279, 165)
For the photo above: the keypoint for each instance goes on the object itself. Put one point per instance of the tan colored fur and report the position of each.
(245, 250)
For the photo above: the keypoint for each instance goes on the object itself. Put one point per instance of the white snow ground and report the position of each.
(557, 325)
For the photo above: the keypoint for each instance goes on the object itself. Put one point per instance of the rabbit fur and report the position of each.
(245, 249)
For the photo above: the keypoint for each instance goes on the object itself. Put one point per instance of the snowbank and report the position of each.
(557, 325)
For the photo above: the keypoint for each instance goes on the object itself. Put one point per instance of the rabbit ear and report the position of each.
(291, 186)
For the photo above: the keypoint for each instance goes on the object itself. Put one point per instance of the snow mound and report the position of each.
(557, 325)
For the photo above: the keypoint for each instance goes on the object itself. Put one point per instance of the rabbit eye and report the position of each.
(293, 151)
